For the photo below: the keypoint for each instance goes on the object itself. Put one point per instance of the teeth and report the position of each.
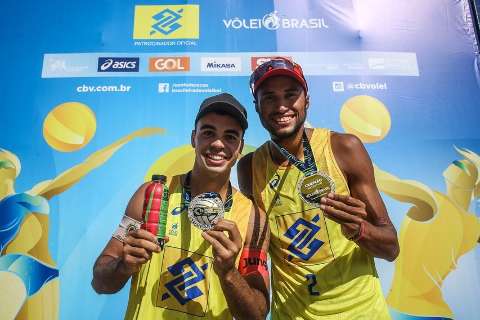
(284, 119)
(215, 157)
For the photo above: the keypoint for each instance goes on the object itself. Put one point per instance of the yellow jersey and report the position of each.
(179, 282)
(316, 271)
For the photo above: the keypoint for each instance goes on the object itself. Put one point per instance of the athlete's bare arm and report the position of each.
(364, 205)
(119, 261)
(244, 175)
(246, 289)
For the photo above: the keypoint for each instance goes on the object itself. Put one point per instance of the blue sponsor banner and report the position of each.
(406, 84)
(371, 63)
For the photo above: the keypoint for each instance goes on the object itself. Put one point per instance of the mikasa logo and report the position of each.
(221, 64)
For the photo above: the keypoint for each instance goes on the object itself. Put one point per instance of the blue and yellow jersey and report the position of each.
(316, 271)
(179, 282)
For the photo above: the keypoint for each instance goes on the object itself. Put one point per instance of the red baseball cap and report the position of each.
(278, 66)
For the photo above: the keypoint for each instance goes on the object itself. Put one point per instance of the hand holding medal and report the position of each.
(206, 212)
(205, 209)
(317, 189)
(349, 212)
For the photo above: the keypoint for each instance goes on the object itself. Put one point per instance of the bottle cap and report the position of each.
(159, 177)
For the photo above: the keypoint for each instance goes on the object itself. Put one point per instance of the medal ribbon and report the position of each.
(308, 166)
(187, 195)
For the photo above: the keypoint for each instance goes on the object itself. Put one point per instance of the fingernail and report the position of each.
(330, 195)
(323, 200)
(322, 207)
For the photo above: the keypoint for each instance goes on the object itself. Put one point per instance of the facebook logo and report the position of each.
(163, 87)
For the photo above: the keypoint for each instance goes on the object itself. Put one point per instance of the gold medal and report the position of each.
(312, 188)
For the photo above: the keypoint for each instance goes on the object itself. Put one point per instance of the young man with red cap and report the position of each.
(208, 269)
(327, 219)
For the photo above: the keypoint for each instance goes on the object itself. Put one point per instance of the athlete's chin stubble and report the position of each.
(283, 135)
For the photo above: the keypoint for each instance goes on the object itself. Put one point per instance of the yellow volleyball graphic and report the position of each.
(69, 126)
(180, 160)
(366, 117)
(176, 161)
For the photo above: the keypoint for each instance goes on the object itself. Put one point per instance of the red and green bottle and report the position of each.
(155, 207)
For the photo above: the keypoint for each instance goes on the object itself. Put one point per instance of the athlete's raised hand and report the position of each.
(225, 248)
(348, 211)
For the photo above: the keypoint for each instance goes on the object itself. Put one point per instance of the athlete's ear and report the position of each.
(307, 101)
(192, 138)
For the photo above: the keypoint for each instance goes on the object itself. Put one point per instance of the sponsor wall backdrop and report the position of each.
(97, 95)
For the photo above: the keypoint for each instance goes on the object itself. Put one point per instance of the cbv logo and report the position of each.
(166, 21)
(302, 233)
(183, 287)
(118, 64)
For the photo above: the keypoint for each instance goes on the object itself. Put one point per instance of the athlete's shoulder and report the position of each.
(345, 142)
(244, 174)
(241, 198)
(245, 163)
(350, 153)
(318, 132)
(241, 209)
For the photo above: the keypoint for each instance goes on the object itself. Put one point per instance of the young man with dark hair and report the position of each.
(326, 216)
(218, 273)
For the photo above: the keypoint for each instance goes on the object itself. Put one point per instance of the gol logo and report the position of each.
(169, 64)
(256, 61)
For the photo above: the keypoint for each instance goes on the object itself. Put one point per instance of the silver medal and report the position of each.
(205, 210)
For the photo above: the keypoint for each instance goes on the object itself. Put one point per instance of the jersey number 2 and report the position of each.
(312, 281)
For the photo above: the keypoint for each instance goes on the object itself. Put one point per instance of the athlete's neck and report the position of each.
(206, 181)
(293, 144)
